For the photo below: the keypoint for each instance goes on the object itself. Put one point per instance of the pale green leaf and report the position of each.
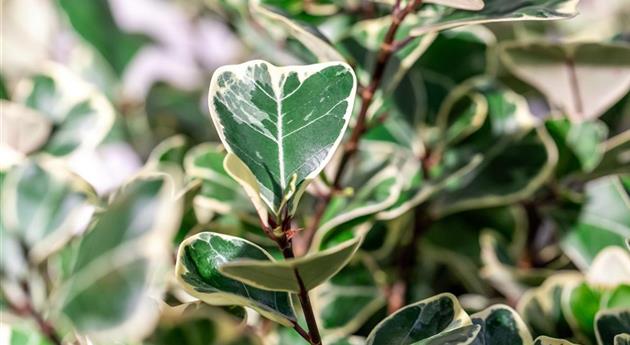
(284, 123)
(622, 339)
(313, 269)
(604, 221)
(442, 18)
(419, 321)
(582, 79)
(543, 340)
(21, 335)
(23, 129)
(288, 28)
(80, 114)
(109, 294)
(44, 205)
(198, 262)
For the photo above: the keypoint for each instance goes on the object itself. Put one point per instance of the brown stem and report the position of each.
(285, 244)
(386, 50)
(27, 310)
(407, 260)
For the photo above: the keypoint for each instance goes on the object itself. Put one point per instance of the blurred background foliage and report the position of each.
(520, 188)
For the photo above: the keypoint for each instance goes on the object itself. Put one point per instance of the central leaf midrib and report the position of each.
(279, 138)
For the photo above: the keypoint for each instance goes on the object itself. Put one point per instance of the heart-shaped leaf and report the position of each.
(283, 123)
(584, 80)
(44, 205)
(115, 268)
(610, 323)
(442, 18)
(543, 340)
(420, 321)
(500, 325)
(198, 270)
(313, 269)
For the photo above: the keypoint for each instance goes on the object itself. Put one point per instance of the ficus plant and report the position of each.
(408, 172)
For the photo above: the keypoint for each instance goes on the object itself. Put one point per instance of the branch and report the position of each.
(387, 49)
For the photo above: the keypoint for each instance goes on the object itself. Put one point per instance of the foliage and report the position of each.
(393, 172)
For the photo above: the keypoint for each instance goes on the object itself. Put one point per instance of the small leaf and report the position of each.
(198, 262)
(282, 121)
(500, 325)
(420, 321)
(23, 129)
(610, 268)
(171, 150)
(616, 157)
(314, 269)
(219, 192)
(44, 205)
(582, 79)
(603, 221)
(81, 116)
(543, 340)
(315, 44)
(442, 18)
(118, 259)
(622, 339)
(610, 323)
(369, 198)
(579, 145)
(95, 22)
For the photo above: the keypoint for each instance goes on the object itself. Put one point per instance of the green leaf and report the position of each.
(622, 339)
(500, 325)
(94, 21)
(349, 299)
(541, 308)
(604, 221)
(81, 116)
(197, 323)
(170, 150)
(369, 198)
(579, 145)
(44, 205)
(198, 262)
(118, 259)
(543, 340)
(580, 304)
(284, 123)
(582, 79)
(314, 269)
(315, 43)
(467, 335)
(616, 156)
(219, 192)
(21, 335)
(24, 130)
(610, 323)
(441, 18)
(420, 321)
